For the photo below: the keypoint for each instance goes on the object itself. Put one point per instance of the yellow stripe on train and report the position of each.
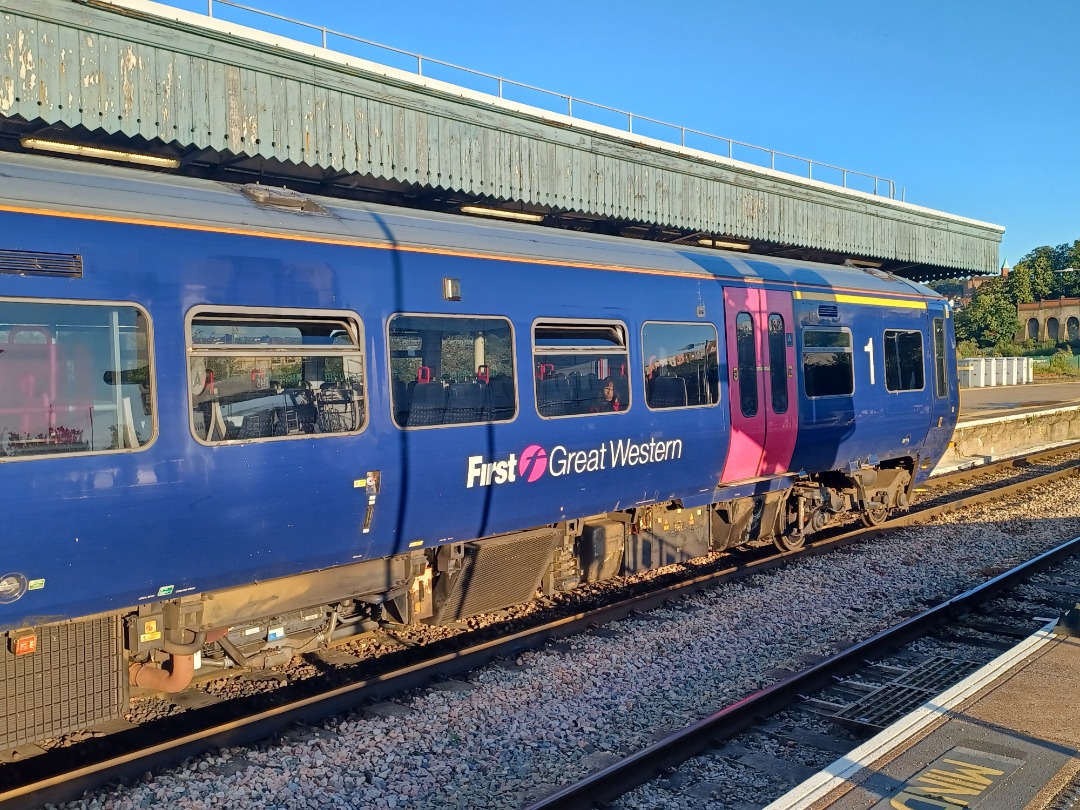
(860, 299)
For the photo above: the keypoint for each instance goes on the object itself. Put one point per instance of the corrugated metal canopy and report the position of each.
(234, 103)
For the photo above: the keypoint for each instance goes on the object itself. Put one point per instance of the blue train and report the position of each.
(237, 423)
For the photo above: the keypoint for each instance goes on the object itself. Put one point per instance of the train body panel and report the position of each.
(211, 394)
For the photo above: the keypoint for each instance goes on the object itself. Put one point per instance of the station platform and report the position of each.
(1005, 738)
(983, 403)
(1005, 421)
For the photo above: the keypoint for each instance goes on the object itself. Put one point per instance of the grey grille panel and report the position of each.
(890, 702)
(499, 573)
(75, 679)
(29, 263)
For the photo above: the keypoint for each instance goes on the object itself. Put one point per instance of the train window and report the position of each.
(903, 360)
(746, 353)
(580, 368)
(828, 366)
(940, 378)
(76, 378)
(258, 375)
(451, 370)
(681, 368)
(778, 379)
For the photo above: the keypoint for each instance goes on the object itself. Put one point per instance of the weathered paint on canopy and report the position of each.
(142, 69)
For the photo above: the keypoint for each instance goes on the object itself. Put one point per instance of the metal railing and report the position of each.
(661, 130)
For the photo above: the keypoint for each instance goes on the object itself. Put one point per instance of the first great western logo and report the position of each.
(534, 462)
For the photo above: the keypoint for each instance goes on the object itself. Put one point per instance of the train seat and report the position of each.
(554, 399)
(466, 402)
(622, 391)
(501, 393)
(428, 406)
(668, 392)
(257, 425)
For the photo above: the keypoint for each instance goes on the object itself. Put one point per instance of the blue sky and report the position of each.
(970, 107)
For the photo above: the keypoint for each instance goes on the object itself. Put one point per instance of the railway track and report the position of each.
(52, 777)
(854, 689)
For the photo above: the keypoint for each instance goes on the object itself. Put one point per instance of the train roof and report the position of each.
(109, 193)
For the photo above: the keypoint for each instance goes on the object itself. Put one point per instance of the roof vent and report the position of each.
(30, 263)
(284, 199)
(828, 311)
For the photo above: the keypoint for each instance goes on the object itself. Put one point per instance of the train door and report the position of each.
(761, 363)
(782, 413)
(945, 398)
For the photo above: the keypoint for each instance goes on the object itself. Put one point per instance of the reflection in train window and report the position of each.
(942, 382)
(451, 370)
(256, 375)
(746, 354)
(903, 360)
(580, 368)
(778, 368)
(74, 378)
(681, 368)
(828, 366)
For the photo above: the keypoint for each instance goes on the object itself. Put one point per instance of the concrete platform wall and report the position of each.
(986, 439)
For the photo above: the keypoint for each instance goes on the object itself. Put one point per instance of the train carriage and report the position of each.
(243, 423)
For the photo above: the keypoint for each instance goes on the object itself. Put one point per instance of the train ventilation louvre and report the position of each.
(498, 573)
(75, 679)
(828, 311)
(31, 263)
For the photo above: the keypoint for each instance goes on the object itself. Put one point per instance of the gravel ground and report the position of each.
(516, 732)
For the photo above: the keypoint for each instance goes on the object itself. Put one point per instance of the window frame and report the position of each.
(224, 312)
(941, 364)
(151, 366)
(644, 354)
(849, 350)
(783, 376)
(453, 316)
(599, 323)
(758, 362)
(885, 361)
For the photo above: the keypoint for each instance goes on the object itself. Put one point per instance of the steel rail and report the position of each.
(1023, 460)
(65, 785)
(653, 761)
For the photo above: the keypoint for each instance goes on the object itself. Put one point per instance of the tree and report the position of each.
(1044, 264)
(990, 318)
(1018, 286)
(1074, 254)
(1057, 258)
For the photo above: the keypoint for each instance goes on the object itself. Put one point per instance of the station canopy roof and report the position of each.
(224, 101)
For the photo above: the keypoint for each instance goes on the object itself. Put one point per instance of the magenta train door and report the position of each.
(761, 382)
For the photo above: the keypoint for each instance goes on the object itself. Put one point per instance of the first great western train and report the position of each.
(237, 423)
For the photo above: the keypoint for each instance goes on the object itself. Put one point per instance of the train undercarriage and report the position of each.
(101, 661)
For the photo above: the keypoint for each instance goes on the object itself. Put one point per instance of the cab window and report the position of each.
(903, 360)
(828, 365)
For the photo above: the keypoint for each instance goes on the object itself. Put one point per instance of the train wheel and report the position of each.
(875, 516)
(789, 542)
